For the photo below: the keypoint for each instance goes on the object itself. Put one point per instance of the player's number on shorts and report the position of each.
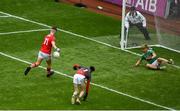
(46, 41)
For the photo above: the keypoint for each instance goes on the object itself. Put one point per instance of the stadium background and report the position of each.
(169, 25)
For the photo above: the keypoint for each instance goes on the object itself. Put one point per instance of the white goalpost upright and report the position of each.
(160, 35)
(123, 42)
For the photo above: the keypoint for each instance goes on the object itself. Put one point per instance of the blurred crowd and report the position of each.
(174, 8)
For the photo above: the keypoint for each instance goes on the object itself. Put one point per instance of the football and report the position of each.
(56, 54)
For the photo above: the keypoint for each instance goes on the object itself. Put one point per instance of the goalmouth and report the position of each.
(162, 28)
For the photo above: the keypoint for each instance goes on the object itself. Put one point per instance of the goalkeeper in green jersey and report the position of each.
(154, 62)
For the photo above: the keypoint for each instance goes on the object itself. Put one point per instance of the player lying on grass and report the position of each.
(81, 81)
(154, 62)
(45, 52)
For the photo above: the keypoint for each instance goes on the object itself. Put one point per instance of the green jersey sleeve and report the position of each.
(147, 54)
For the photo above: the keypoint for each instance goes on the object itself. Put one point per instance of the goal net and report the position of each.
(163, 24)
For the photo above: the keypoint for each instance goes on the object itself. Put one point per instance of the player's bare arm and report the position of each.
(54, 46)
(154, 55)
(151, 57)
(138, 62)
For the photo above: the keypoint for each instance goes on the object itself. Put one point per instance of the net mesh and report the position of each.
(162, 16)
(163, 30)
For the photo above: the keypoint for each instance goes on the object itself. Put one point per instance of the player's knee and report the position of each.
(158, 59)
(148, 65)
(35, 65)
(75, 93)
(82, 92)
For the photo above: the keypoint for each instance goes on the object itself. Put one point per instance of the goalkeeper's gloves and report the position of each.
(58, 49)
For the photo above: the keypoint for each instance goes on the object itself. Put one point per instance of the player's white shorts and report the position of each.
(43, 55)
(155, 63)
(78, 79)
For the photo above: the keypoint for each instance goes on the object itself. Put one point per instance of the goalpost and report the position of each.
(123, 43)
(163, 29)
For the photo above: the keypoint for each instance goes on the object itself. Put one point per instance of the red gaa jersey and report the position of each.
(85, 72)
(82, 71)
(47, 44)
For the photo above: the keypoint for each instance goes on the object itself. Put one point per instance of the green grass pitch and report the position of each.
(114, 67)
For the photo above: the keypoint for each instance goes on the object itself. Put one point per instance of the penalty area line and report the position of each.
(97, 85)
(4, 16)
(25, 31)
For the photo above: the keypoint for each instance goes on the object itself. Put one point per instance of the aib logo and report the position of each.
(148, 5)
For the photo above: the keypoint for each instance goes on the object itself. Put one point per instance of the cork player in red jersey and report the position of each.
(45, 52)
(81, 81)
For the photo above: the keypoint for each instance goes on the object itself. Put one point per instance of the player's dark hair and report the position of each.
(133, 8)
(54, 27)
(133, 11)
(145, 46)
(76, 66)
(92, 68)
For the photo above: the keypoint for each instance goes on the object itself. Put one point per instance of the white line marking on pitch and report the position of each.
(25, 31)
(4, 16)
(106, 36)
(97, 85)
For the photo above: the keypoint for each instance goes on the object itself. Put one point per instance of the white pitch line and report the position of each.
(162, 46)
(136, 47)
(25, 31)
(97, 85)
(4, 16)
(106, 36)
(157, 45)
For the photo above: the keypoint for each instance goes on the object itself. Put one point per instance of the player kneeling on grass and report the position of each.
(154, 62)
(79, 80)
(45, 52)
